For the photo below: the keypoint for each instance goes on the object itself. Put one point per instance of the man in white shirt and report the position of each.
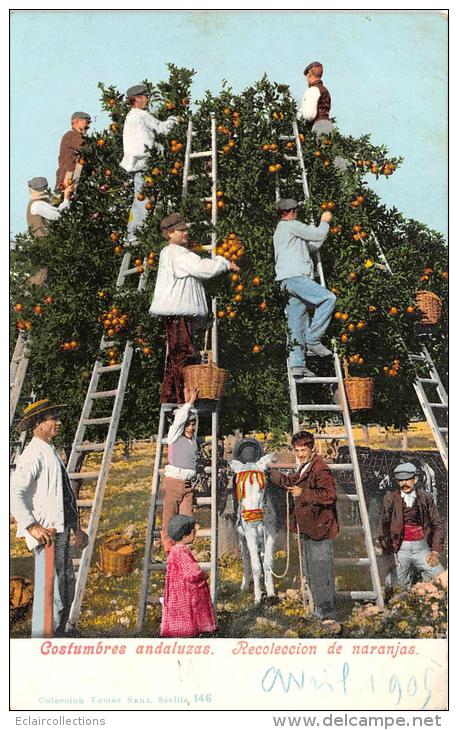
(139, 133)
(44, 507)
(179, 297)
(39, 210)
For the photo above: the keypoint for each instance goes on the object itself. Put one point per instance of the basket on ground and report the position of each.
(430, 306)
(207, 378)
(117, 556)
(21, 596)
(360, 392)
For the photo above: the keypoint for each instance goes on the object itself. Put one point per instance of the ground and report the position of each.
(110, 604)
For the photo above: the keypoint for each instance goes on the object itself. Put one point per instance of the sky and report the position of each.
(386, 71)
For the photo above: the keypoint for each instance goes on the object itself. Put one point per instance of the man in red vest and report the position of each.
(316, 103)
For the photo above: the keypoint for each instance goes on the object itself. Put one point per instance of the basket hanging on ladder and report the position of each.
(209, 379)
(430, 306)
(359, 390)
(117, 556)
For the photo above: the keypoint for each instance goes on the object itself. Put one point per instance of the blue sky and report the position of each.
(386, 71)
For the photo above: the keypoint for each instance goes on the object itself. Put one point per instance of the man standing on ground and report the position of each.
(139, 133)
(410, 528)
(44, 506)
(69, 152)
(293, 242)
(314, 492)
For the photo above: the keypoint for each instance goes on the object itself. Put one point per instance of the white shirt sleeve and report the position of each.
(264, 462)
(309, 106)
(190, 264)
(22, 480)
(48, 211)
(177, 427)
(158, 127)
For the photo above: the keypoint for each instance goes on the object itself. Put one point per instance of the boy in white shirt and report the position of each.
(139, 133)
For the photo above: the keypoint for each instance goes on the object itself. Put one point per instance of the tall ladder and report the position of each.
(80, 446)
(18, 369)
(433, 383)
(149, 564)
(341, 407)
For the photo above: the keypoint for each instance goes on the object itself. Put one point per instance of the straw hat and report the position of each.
(32, 410)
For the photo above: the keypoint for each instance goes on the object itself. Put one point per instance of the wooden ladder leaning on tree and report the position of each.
(337, 408)
(167, 409)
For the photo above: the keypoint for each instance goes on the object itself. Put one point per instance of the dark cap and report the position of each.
(248, 451)
(81, 115)
(286, 204)
(138, 90)
(314, 64)
(172, 222)
(405, 471)
(38, 183)
(179, 526)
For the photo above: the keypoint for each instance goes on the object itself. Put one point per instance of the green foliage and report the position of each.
(80, 254)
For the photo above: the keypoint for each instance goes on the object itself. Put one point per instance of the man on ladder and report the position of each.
(44, 506)
(293, 242)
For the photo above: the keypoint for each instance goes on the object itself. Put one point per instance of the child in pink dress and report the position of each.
(187, 608)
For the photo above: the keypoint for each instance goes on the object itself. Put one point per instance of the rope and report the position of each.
(282, 575)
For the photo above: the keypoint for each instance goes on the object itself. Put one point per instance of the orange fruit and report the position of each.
(394, 311)
(351, 327)
(345, 316)
(371, 309)
(344, 338)
(238, 298)
(232, 315)
(239, 288)
(338, 315)
(235, 277)
(100, 142)
(19, 307)
(141, 196)
(257, 348)
(256, 280)
(38, 309)
(221, 313)
(48, 299)
(263, 306)
(114, 235)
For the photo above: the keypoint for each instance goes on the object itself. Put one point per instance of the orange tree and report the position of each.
(376, 321)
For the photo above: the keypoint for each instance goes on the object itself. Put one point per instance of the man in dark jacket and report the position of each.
(314, 492)
(69, 151)
(410, 528)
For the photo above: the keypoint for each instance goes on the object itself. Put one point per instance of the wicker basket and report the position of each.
(430, 307)
(117, 556)
(21, 597)
(207, 378)
(360, 392)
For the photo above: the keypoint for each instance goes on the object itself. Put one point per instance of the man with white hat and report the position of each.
(410, 528)
(44, 507)
(139, 133)
(69, 151)
(293, 243)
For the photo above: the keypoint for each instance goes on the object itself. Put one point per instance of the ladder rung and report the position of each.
(193, 155)
(422, 358)
(341, 467)
(350, 497)
(204, 533)
(107, 343)
(83, 474)
(429, 381)
(95, 421)
(91, 447)
(157, 565)
(352, 561)
(205, 566)
(84, 503)
(103, 393)
(287, 136)
(443, 429)
(109, 368)
(291, 157)
(438, 405)
(190, 178)
(358, 595)
(316, 380)
(129, 272)
(319, 407)
(76, 562)
(200, 501)
(328, 436)
(351, 528)
(207, 199)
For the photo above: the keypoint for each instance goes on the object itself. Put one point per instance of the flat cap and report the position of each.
(179, 526)
(81, 115)
(314, 64)
(405, 471)
(137, 90)
(286, 204)
(172, 222)
(38, 183)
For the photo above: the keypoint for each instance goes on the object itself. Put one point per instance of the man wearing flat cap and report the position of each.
(139, 133)
(69, 152)
(40, 212)
(316, 103)
(44, 507)
(410, 529)
(293, 243)
(179, 297)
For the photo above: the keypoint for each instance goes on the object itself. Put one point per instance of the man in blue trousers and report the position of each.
(293, 243)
